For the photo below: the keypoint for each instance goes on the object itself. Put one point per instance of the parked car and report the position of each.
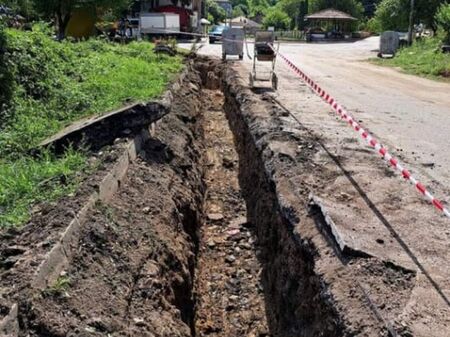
(216, 33)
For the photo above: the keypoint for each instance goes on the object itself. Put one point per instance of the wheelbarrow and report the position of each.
(264, 51)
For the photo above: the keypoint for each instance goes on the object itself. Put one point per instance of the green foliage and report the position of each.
(275, 17)
(258, 7)
(25, 8)
(56, 83)
(291, 8)
(422, 58)
(6, 76)
(443, 21)
(425, 12)
(60, 287)
(25, 181)
(392, 15)
(240, 10)
(373, 26)
(216, 13)
(352, 7)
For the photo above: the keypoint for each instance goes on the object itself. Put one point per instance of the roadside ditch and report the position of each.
(198, 240)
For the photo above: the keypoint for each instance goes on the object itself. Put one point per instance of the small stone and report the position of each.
(146, 210)
(215, 216)
(139, 321)
(230, 258)
(233, 232)
(211, 243)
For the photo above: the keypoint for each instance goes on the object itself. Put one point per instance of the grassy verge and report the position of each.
(55, 84)
(423, 58)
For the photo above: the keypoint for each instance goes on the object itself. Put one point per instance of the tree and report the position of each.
(369, 7)
(22, 7)
(296, 10)
(277, 18)
(6, 76)
(426, 10)
(392, 15)
(240, 10)
(258, 7)
(443, 21)
(352, 7)
(216, 13)
(62, 9)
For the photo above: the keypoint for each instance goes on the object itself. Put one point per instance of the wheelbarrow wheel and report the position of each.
(224, 56)
(250, 80)
(274, 81)
(241, 56)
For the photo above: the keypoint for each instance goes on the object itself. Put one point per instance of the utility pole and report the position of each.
(411, 23)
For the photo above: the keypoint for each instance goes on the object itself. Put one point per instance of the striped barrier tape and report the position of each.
(344, 114)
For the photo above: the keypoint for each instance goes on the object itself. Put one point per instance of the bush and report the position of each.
(422, 58)
(275, 17)
(373, 26)
(353, 7)
(443, 21)
(392, 15)
(216, 13)
(6, 77)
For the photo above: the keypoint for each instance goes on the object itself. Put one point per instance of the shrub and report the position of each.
(275, 17)
(443, 21)
(6, 77)
(392, 15)
(373, 26)
(216, 13)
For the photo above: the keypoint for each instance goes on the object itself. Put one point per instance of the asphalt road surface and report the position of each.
(408, 114)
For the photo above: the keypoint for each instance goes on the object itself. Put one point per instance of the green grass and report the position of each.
(55, 84)
(423, 58)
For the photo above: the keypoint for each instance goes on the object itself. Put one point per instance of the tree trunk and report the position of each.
(62, 22)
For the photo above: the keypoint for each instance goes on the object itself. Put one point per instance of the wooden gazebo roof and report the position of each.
(330, 14)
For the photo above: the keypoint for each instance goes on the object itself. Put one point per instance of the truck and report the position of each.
(159, 23)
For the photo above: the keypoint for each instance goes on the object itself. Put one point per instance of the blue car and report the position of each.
(216, 33)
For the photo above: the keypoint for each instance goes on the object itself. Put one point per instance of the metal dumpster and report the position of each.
(233, 43)
(389, 43)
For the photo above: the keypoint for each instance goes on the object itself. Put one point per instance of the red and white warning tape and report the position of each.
(343, 113)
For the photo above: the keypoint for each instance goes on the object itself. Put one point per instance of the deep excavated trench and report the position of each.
(194, 243)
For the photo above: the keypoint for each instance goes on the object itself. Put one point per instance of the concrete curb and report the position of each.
(58, 258)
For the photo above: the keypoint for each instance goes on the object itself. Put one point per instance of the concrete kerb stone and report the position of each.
(60, 255)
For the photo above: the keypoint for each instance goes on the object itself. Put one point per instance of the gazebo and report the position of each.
(331, 22)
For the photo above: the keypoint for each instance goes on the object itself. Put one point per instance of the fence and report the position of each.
(290, 35)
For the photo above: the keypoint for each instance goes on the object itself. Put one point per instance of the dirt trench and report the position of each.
(194, 243)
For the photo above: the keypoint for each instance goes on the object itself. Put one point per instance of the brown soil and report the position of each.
(229, 290)
(212, 233)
